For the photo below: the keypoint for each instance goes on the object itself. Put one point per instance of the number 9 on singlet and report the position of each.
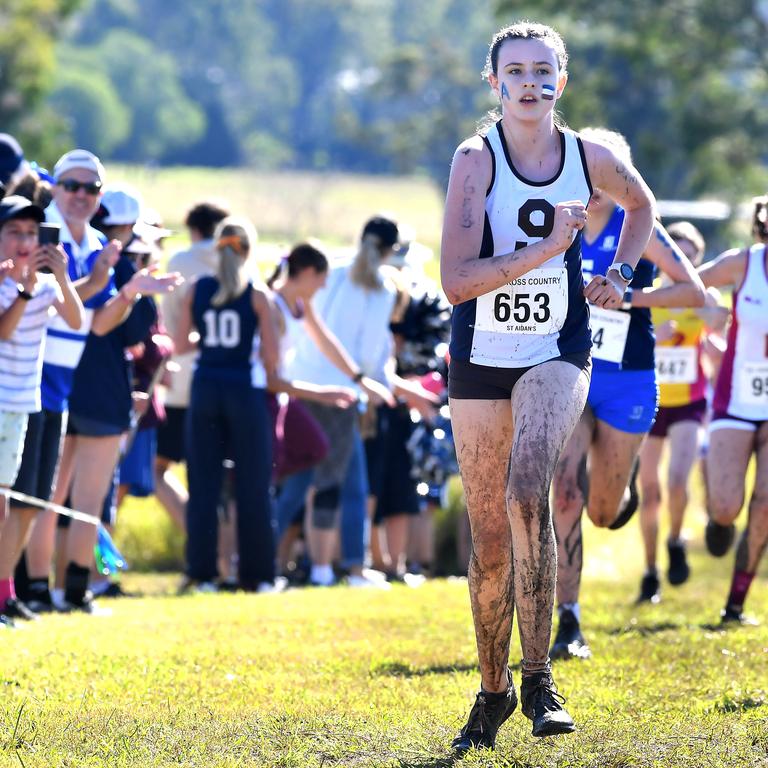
(536, 303)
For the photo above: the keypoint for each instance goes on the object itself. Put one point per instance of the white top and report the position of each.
(21, 356)
(292, 335)
(542, 314)
(742, 385)
(201, 259)
(359, 318)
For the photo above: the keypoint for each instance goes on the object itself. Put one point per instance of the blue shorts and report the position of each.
(627, 400)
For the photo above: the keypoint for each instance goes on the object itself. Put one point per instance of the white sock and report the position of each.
(574, 608)
(322, 574)
(57, 597)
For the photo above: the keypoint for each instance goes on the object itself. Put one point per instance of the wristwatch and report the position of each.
(23, 292)
(626, 272)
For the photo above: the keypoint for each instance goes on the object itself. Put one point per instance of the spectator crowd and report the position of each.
(297, 404)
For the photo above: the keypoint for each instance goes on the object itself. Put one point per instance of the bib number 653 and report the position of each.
(520, 307)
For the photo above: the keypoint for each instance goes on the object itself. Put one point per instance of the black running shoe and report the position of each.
(569, 642)
(15, 609)
(487, 715)
(544, 705)
(679, 570)
(650, 589)
(719, 538)
(633, 502)
(732, 615)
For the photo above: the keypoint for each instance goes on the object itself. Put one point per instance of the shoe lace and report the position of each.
(479, 718)
(544, 695)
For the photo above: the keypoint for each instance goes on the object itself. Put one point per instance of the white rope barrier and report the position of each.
(32, 501)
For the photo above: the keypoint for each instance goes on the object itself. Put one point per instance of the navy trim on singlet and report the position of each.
(575, 335)
(584, 165)
(519, 175)
(493, 165)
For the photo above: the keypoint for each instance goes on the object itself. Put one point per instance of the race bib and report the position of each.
(609, 333)
(753, 384)
(535, 303)
(676, 365)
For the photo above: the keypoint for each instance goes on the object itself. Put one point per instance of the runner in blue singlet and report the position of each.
(622, 397)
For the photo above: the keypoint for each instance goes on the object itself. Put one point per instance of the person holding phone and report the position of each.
(34, 278)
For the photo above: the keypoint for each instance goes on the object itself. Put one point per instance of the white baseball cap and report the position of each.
(122, 206)
(78, 158)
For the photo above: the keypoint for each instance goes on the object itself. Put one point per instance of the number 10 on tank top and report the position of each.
(222, 329)
(536, 303)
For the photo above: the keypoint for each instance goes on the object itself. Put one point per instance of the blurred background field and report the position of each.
(289, 206)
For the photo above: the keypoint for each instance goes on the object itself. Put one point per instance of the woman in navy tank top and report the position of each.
(227, 415)
(519, 373)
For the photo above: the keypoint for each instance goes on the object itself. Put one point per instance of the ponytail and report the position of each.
(233, 238)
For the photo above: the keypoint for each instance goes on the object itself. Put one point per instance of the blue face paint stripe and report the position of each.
(548, 92)
(504, 91)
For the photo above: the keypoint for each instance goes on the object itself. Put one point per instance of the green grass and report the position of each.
(289, 206)
(356, 678)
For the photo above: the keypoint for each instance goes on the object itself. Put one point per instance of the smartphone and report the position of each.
(48, 234)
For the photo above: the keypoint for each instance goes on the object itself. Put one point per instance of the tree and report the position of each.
(684, 80)
(27, 61)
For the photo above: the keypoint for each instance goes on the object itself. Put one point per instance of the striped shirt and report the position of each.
(21, 356)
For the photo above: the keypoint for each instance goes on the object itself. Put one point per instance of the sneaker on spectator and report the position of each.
(115, 589)
(272, 587)
(6, 622)
(86, 605)
(409, 579)
(194, 586)
(16, 609)
(361, 581)
(41, 602)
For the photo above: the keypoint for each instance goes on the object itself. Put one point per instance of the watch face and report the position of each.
(626, 272)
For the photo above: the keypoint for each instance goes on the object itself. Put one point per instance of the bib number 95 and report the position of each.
(760, 387)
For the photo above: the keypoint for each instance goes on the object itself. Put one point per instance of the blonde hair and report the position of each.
(611, 139)
(365, 267)
(233, 238)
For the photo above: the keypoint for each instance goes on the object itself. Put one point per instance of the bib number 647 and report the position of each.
(521, 307)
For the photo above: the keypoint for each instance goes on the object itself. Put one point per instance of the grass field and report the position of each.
(289, 206)
(340, 677)
(321, 678)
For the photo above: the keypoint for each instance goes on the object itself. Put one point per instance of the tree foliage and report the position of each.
(27, 62)
(684, 80)
(381, 85)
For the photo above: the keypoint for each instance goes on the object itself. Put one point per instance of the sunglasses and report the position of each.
(90, 187)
